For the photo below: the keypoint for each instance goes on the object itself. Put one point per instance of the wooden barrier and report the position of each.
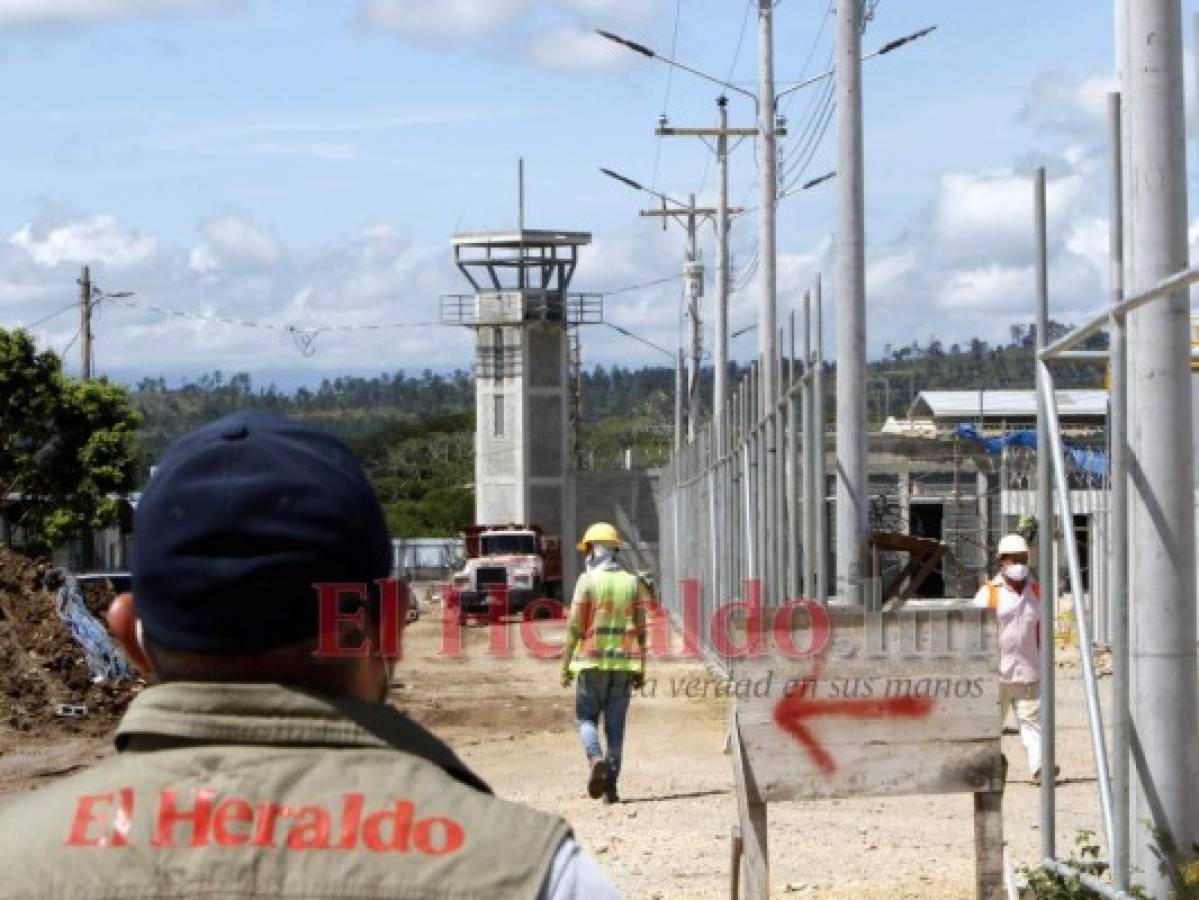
(897, 703)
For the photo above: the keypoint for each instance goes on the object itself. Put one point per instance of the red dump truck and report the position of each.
(510, 563)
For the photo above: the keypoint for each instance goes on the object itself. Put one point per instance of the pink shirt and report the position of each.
(1019, 616)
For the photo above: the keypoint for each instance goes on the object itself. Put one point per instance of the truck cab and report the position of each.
(513, 563)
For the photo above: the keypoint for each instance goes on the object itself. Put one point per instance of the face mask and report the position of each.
(599, 556)
(1015, 571)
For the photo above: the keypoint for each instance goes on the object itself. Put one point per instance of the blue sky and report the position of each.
(306, 163)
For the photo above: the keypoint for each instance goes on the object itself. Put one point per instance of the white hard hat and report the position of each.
(1012, 543)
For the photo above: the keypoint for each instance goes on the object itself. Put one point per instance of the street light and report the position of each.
(645, 51)
(638, 186)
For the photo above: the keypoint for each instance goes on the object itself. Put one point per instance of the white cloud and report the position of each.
(232, 242)
(553, 34)
(1066, 103)
(984, 216)
(96, 239)
(568, 47)
(33, 13)
(442, 19)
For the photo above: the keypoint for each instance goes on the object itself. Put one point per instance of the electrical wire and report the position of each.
(52, 315)
(642, 285)
(71, 343)
(703, 182)
(674, 46)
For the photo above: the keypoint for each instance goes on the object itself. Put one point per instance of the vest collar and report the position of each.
(275, 714)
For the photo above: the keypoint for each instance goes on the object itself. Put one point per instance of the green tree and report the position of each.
(68, 449)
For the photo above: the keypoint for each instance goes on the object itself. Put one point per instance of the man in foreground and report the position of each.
(1016, 598)
(605, 648)
(267, 761)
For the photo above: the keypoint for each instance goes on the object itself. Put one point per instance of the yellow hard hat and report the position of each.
(599, 533)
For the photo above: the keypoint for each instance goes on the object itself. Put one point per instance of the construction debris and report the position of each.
(43, 669)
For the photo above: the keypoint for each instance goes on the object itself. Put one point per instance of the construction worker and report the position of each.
(605, 649)
(266, 760)
(1016, 598)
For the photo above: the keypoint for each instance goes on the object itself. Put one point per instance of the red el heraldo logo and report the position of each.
(206, 819)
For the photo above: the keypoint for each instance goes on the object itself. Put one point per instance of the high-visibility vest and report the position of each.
(608, 639)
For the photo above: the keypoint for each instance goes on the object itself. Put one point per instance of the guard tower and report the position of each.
(526, 368)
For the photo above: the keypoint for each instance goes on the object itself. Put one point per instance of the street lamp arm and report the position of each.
(881, 51)
(650, 54)
(807, 185)
(638, 186)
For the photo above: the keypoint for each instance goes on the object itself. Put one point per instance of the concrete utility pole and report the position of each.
(723, 216)
(723, 220)
(852, 517)
(1161, 452)
(693, 276)
(767, 313)
(85, 323)
(768, 203)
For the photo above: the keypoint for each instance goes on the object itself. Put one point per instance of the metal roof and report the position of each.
(1017, 404)
(529, 237)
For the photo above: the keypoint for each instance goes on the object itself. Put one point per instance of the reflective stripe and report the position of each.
(609, 641)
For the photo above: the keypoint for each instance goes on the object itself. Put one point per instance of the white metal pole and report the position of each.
(852, 517)
(818, 452)
(810, 504)
(1161, 452)
(1118, 526)
(1045, 561)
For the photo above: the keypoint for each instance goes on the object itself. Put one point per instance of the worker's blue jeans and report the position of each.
(603, 693)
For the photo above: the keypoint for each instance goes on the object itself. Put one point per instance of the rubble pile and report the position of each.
(44, 679)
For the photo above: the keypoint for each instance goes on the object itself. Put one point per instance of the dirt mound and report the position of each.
(41, 665)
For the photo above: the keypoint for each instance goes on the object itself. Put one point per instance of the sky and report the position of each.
(304, 165)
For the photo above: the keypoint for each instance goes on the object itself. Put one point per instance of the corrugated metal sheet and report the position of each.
(998, 404)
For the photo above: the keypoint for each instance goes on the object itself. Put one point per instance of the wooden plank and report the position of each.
(752, 823)
(900, 703)
(988, 846)
(877, 770)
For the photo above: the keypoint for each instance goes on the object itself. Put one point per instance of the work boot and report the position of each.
(597, 783)
(610, 795)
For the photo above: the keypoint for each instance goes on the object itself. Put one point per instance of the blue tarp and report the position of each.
(1093, 462)
(104, 658)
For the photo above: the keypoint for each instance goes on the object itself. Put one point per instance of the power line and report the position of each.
(642, 286)
(674, 45)
(71, 343)
(52, 315)
(732, 70)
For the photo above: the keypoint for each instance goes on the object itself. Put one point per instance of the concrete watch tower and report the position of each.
(526, 400)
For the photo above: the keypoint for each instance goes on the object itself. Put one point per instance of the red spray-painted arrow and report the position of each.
(792, 712)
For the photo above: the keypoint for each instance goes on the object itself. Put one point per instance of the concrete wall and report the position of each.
(628, 500)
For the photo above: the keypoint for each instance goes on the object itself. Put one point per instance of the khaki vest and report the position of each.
(606, 616)
(253, 790)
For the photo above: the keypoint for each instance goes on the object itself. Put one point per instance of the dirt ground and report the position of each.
(513, 722)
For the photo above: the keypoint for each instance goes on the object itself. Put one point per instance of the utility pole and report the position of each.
(85, 323)
(721, 372)
(693, 275)
(852, 517)
(1161, 454)
(723, 217)
(767, 312)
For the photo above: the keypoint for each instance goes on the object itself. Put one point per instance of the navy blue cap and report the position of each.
(242, 517)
